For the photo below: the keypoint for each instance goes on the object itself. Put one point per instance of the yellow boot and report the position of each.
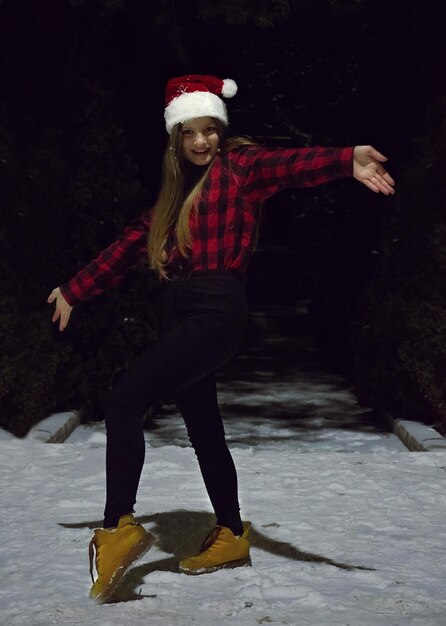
(221, 549)
(115, 551)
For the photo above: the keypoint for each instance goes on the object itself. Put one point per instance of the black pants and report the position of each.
(203, 321)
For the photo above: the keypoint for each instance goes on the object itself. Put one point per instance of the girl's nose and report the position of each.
(199, 138)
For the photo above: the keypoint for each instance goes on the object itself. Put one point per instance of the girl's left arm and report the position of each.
(269, 170)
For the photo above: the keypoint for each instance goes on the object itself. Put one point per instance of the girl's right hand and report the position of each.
(63, 309)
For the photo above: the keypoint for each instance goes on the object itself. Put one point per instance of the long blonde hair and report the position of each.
(175, 202)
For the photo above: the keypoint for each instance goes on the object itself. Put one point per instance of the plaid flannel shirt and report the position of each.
(224, 228)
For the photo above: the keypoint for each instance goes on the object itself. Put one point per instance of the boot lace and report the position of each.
(211, 538)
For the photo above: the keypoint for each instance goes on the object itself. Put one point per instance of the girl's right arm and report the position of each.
(104, 272)
(62, 311)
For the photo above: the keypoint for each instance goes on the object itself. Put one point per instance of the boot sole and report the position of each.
(136, 553)
(208, 570)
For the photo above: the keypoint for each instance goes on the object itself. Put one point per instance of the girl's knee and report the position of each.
(119, 406)
(207, 439)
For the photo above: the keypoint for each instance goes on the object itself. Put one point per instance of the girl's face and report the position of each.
(200, 140)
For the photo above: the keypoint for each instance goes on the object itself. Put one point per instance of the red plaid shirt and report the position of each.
(224, 228)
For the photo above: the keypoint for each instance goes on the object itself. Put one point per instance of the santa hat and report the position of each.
(196, 95)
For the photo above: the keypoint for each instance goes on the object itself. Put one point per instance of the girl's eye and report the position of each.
(187, 131)
(211, 129)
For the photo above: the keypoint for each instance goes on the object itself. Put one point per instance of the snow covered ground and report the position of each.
(338, 538)
(347, 524)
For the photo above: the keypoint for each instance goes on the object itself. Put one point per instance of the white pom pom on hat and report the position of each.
(197, 95)
(229, 88)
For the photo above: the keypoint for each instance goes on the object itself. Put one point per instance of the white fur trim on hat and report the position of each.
(188, 106)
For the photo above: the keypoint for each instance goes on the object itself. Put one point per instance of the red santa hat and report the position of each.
(197, 95)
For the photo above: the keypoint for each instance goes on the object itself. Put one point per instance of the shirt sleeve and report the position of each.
(109, 268)
(267, 171)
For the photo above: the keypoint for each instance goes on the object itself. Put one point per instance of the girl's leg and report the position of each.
(200, 341)
(198, 405)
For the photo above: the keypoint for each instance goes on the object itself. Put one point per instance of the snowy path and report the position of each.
(384, 511)
(348, 525)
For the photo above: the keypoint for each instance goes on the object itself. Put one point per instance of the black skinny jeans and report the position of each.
(203, 322)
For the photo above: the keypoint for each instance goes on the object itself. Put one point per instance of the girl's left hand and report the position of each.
(368, 169)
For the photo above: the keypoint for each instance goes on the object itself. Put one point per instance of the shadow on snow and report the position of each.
(180, 533)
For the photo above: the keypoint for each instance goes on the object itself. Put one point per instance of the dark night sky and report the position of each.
(81, 139)
(337, 77)
(320, 76)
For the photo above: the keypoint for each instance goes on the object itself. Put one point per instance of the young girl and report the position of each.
(199, 238)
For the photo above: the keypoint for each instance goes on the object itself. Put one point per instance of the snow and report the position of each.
(55, 428)
(338, 538)
(347, 524)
